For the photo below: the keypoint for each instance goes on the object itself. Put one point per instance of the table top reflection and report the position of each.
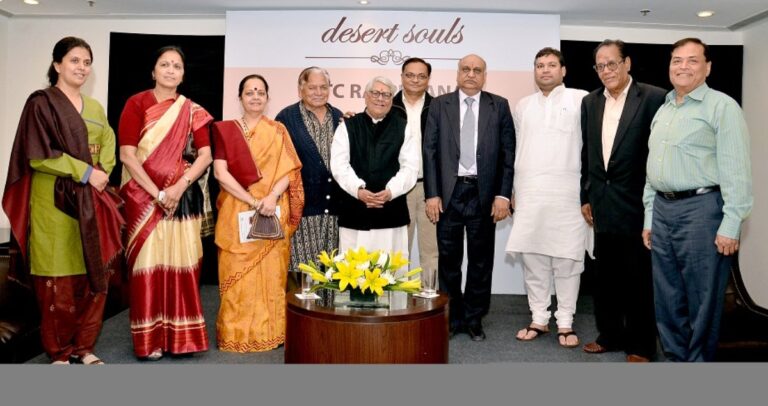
(402, 306)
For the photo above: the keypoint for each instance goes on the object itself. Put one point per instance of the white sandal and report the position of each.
(155, 355)
(60, 362)
(92, 359)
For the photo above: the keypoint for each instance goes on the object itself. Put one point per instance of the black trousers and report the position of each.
(624, 309)
(460, 214)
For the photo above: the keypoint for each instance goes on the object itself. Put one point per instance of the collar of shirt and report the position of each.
(463, 96)
(375, 120)
(623, 93)
(554, 93)
(415, 106)
(697, 93)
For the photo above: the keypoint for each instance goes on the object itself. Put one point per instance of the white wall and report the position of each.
(25, 59)
(647, 35)
(755, 234)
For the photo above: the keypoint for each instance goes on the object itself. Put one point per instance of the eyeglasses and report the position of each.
(411, 76)
(379, 95)
(612, 66)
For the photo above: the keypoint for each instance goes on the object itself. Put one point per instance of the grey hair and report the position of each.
(304, 75)
(384, 81)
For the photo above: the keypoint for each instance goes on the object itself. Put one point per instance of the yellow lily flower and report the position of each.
(326, 259)
(359, 256)
(411, 285)
(307, 269)
(413, 271)
(374, 282)
(347, 275)
(397, 261)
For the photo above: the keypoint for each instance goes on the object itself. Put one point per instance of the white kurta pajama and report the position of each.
(548, 229)
(386, 239)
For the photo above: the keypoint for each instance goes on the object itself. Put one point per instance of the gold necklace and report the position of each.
(246, 131)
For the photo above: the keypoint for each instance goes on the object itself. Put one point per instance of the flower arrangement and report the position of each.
(372, 272)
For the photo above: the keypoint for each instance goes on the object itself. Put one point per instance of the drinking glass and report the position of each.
(429, 282)
(306, 287)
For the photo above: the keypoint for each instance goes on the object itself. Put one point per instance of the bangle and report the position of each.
(161, 196)
(254, 203)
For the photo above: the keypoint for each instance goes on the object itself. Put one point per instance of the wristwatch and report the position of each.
(161, 196)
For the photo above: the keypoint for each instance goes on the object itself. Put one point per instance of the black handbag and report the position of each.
(265, 227)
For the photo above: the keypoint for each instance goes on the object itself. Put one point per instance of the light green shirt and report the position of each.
(700, 142)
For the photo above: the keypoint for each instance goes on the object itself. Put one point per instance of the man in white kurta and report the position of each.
(375, 214)
(549, 233)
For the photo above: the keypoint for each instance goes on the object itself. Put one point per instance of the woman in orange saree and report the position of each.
(258, 169)
(163, 207)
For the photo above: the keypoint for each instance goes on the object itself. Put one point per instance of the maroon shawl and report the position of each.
(229, 144)
(50, 126)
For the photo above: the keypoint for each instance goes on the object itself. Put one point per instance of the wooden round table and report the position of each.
(417, 334)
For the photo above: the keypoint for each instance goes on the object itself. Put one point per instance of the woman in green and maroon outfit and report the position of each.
(70, 230)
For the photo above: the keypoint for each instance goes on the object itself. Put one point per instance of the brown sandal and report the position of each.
(538, 331)
(565, 336)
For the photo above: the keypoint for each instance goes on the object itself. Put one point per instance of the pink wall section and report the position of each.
(348, 85)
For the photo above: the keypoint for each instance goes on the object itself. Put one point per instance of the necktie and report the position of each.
(467, 158)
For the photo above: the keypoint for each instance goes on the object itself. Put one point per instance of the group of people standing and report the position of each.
(663, 182)
(570, 165)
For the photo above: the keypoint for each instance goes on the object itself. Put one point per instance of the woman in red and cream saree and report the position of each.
(258, 169)
(163, 207)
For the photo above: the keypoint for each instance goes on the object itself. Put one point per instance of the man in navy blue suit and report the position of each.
(469, 155)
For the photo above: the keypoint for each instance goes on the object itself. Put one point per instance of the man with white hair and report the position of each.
(375, 160)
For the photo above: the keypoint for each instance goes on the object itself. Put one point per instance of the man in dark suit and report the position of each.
(616, 123)
(469, 154)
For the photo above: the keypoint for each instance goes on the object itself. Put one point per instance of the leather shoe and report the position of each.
(637, 358)
(594, 348)
(476, 332)
(455, 330)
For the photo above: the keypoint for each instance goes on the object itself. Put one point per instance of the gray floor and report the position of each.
(508, 313)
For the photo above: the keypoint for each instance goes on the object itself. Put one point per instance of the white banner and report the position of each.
(355, 46)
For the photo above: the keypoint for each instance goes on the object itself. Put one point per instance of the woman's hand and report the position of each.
(173, 195)
(98, 179)
(268, 204)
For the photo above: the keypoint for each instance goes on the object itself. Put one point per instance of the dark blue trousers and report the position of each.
(689, 275)
(462, 214)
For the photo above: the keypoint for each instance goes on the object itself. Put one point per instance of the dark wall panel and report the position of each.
(650, 64)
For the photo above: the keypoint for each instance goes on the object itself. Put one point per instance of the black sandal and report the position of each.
(538, 331)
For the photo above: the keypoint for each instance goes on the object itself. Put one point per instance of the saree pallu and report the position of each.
(165, 252)
(252, 275)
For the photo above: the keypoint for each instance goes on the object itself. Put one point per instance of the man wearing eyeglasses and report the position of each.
(615, 123)
(469, 154)
(412, 104)
(375, 160)
(698, 193)
(311, 123)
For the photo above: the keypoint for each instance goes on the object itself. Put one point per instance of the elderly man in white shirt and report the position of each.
(549, 233)
(375, 159)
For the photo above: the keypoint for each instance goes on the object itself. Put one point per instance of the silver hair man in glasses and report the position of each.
(375, 160)
(615, 124)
